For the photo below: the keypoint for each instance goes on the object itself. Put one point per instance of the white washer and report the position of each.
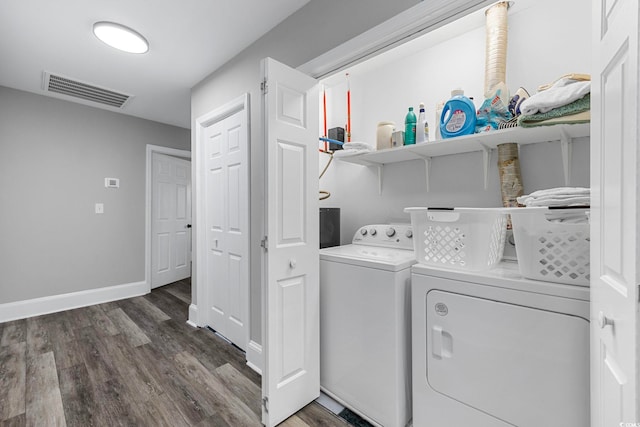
(365, 323)
(494, 349)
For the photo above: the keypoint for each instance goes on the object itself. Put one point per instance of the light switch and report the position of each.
(99, 208)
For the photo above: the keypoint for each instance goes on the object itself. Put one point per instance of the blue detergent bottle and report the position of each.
(458, 116)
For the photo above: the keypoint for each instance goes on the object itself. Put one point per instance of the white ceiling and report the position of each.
(188, 40)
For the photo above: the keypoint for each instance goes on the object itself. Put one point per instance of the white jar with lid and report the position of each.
(383, 135)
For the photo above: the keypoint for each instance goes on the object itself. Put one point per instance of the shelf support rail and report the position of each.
(486, 158)
(565, 145)
(380, 169)
(427, 169)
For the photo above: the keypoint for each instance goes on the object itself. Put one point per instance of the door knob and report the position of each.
(187, 226)
(603, 320)
(292, 263)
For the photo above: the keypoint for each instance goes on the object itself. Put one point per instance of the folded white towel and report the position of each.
(560, 191)
(357, 146)
(567, 218)
(559, 196)
(352, 149)
(562, 92)
(558, 201)
(348, 152)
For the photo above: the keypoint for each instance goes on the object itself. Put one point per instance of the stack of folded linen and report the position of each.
(567, 100)
(353, 148)
(560, 196)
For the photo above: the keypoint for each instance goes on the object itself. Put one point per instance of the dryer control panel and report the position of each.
(387, 235)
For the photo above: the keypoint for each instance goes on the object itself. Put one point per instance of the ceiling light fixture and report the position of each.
(120, 37)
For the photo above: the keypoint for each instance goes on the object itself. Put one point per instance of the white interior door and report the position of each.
(227, 224)
(614, 221)
(290, 322)
(171, 220)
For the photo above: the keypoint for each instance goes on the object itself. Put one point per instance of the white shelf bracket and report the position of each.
(379, 167)
(427, 170)
(565, 144)
(486, 158)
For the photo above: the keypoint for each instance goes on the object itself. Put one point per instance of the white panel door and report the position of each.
(227, 224)
(171, 220)
(614, 218)
(291, 341)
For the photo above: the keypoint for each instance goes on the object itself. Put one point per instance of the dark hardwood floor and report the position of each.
(133, 362)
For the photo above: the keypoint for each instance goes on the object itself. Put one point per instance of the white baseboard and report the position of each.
(254, 356)
(193, 315)
(55, 303)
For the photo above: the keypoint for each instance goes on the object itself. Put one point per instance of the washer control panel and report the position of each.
(388, 235)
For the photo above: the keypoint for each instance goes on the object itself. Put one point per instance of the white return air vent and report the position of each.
(83, 91)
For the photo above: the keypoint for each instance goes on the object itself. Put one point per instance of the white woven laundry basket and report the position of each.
(459, 238)
(551, 245)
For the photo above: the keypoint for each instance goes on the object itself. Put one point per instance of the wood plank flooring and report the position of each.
(133, 362)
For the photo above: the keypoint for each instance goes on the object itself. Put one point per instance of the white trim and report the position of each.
(193, 315)
(240, 103)
(254, 357)
(420, 19)
(149, 179)
(55, 303)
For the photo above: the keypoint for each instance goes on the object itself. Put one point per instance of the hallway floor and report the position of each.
(133, 362)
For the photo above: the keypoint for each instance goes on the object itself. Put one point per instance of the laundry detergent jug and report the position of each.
(458, 116)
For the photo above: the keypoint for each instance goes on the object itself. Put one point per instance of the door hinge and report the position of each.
(264, 87)
(264, 243)
(265, 404)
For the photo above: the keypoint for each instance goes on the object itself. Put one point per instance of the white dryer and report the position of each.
(365, 323)
(494, 349)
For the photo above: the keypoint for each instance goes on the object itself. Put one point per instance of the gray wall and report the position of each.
(315, 29)
(54, 156)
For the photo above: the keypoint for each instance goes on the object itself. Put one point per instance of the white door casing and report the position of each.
(226, 158)
(290, 297)
(614, 215)
(171, 219)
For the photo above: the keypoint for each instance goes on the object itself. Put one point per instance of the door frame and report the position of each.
(200, 294)
(148, 206)
(414, 22)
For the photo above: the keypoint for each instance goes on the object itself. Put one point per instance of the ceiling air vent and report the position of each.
(88, 92)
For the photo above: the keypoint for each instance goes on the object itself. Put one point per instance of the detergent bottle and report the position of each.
(458, 116)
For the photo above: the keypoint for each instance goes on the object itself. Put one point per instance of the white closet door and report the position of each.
(615, 236)
(291, 340)
(227, 225)
(171, 219)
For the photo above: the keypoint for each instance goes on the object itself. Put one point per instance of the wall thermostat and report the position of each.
(112, 182)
